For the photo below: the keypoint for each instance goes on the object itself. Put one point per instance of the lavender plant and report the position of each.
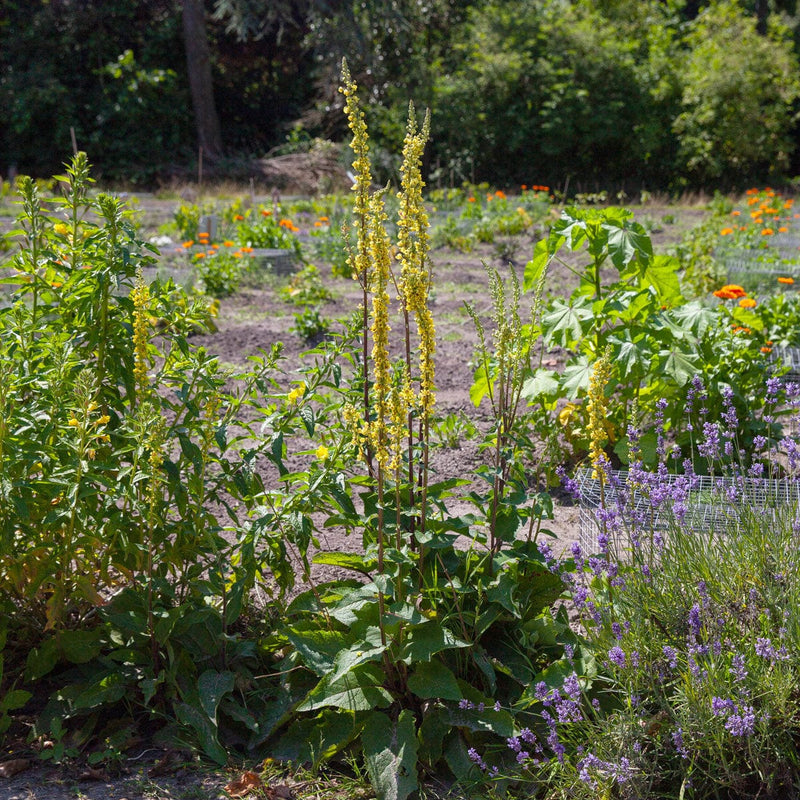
(684, 680)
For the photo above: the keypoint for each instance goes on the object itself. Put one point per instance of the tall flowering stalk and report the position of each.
(597, 408)
(359, 260)
(413, 246)
(140, 295)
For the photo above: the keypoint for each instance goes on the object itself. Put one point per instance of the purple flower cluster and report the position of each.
(590, 765)
(739, 720)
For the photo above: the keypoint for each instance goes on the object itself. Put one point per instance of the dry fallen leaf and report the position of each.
(244, 784)
(92, 774)
(8, 769)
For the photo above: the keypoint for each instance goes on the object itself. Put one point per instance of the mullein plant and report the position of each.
(403, 661)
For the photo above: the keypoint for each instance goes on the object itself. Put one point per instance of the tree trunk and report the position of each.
(198, 62)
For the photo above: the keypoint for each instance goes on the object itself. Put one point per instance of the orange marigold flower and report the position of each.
(188, 244)
(524, 187)
(500, 194)
(238, 217)
(747, 302)
(787, 281)
(198, 256)
(769, 342)
(285, 223)
(228, 243)
(736, 213)
(789, 203)
(265, 212)
(782, 229)
(752, 201)
(470, 199)
(752, 191)
(767, 232)
(766, 349)
(730, 291)
(726, 231)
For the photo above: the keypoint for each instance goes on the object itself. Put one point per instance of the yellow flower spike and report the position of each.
(358, 261)
(73, 423)
(140, 294)
(413, 247)
(322, 453)
(104, 420)
(379, 255)
(597, 412)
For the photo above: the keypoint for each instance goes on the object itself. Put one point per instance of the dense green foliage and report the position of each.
(663, 95)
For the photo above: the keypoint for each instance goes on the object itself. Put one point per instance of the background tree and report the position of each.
(198, 62)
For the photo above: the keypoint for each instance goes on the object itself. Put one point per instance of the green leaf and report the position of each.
(543, 383)
(361, 689)
(212, 687)
(432, 730)
(317, 646)
(354, 561)
(695, 317)
(312, 741)
(627, 243)
(576, 377)
(41, 660)
(563, 323)
(194, 719)
(432, 680)
(677, 366)
(80, 647)
(480, 385)
(426, 640)
(390, 752)
(14, 699)
(629, 357)
(662, 275)
(536, 267)
(368, 648)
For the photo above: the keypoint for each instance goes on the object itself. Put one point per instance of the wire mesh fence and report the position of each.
(704, 504)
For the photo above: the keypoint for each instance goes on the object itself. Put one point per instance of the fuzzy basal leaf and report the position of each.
(361, 689)
(390, 750)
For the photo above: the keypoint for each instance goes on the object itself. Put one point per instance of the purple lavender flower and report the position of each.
(742, 723)
(695, 623)
(577, 554)
(764, 648)
(721, 707)
(572, 686)
(677, 741)
(514, 743)
(738, 669)
(542, 692)
(476, 758)
(671, 654)
(616, 630)
(617, 656)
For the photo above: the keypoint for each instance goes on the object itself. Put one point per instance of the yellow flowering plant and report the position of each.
(398, 661)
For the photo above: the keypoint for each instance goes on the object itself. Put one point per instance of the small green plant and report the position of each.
(453, 429)
(220, 271)
(310, 326)
(306, 288)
